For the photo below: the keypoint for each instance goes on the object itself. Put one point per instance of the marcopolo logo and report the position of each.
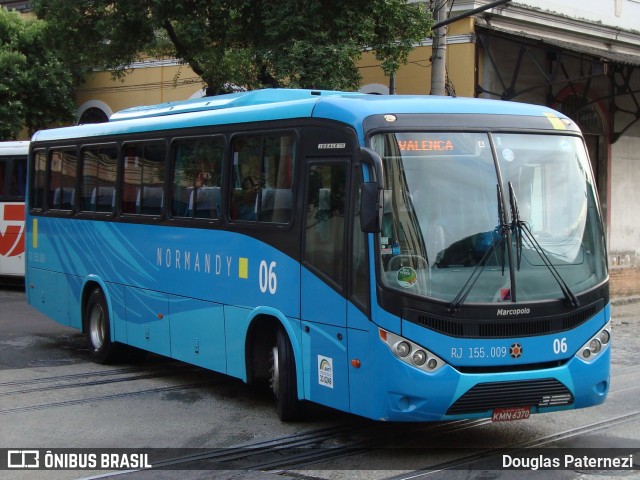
(508, 312)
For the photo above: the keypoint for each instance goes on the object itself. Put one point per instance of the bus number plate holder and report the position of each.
(510, 414)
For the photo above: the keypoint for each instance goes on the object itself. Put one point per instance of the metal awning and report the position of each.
(612, 53)
(599, 49)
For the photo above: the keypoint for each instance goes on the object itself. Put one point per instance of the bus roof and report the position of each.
(280, 104)
(14, 148)
(233, 100)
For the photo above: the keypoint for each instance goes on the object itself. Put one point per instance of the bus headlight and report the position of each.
(411, 353)
(403, 349)
(419, 357)
(590, 350)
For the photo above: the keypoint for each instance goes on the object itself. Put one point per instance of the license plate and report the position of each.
(510, 414)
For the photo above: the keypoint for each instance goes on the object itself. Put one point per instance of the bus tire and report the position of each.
(97, 329)
(283, 379)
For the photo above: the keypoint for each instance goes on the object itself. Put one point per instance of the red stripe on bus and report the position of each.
(14, 213)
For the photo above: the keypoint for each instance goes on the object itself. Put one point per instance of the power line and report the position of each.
(143, 87)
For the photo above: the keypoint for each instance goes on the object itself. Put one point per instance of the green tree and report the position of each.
(253, 43)
(396, 28)
(36, 89)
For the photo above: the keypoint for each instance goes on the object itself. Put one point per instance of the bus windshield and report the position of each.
(477, 217)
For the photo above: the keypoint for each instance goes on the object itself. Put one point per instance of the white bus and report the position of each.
(13, 182)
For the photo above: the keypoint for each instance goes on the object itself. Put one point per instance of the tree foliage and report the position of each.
(36, 89)
(395, 31)
(253, 43)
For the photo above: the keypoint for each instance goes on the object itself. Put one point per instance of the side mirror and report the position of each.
(371, 207)
(371, 199)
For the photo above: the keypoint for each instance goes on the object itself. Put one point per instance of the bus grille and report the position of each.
(501, 328)
(547, 392)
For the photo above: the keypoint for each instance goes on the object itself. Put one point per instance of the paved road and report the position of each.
(52, 396)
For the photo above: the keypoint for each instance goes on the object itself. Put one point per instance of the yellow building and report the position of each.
(148, 83)
(415, 77)
(581, 58)
(153, 81)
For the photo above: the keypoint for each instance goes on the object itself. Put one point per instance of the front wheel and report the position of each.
(97, 329)
(283, 379)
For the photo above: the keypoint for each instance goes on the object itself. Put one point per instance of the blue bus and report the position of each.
(404, 258)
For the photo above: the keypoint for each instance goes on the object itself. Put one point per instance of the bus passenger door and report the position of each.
(323, 303)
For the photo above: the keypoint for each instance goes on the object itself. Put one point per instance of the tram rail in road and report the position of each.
(376, 445)
(51, 396)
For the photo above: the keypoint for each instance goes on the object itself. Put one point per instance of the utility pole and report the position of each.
(439, 49)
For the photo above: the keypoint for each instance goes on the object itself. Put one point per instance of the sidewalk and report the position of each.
(625, 300)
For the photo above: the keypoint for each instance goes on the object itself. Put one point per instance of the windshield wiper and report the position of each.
(517, 225)
(504, 226)
(520, 227)
(501, 230)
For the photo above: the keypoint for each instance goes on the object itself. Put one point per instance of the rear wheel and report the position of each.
(97, 328)
(283, 379)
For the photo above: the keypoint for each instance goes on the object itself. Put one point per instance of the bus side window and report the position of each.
(204, 202)
(63, 198)
(262, 178)
(325, 218)
(103, 199)
(276, 204)
(62, 179)
(150, 200)
(196, 174)
(3, 169)
(98, 178)
(143, 179)
(38, 179)
(18, 182)
(245, 201)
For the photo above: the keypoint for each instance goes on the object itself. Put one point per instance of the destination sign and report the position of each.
(426, 145)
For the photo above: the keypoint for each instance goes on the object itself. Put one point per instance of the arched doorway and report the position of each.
(93, 111)
(375, 88)
(93, 115)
